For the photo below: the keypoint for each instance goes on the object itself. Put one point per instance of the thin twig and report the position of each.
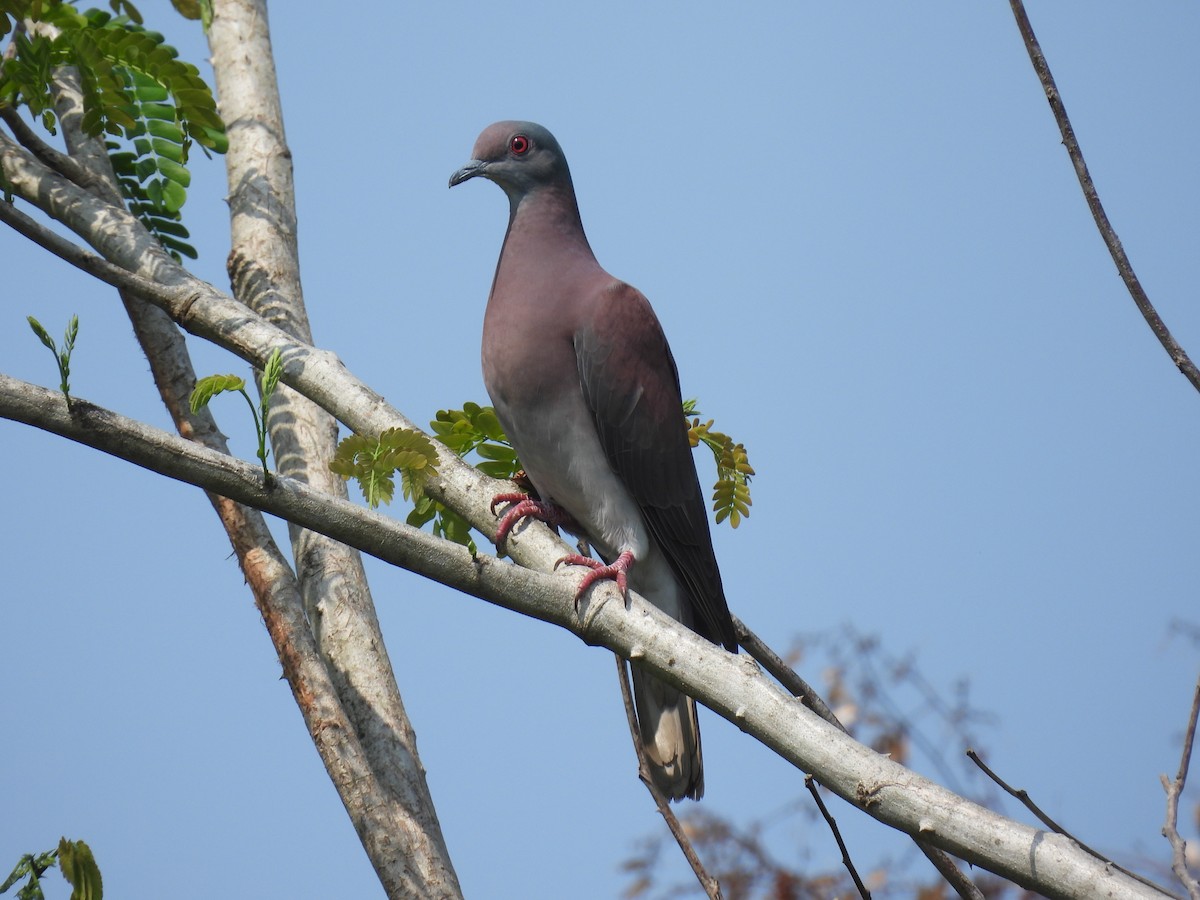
(711, 886)
(1023, 795)
(949, 870)
(1124, 267)
(786, 676)
(1174, 789)
(811, 784)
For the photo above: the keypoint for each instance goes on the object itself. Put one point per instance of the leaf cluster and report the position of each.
(731, 493)
(373, 462)
(210, 386)
(61, 357)
(73, 858)
(136, 90)
(476, 429)
(472, 429)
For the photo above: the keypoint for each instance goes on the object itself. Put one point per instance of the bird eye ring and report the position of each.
(519, 145)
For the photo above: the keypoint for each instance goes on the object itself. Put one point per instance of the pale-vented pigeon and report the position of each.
(584, 383)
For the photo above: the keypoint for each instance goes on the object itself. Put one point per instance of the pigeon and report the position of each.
(585, 386)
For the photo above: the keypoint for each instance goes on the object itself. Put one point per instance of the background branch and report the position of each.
(811, 784)
(1124, 266)
(712, 887)
(1174, 789)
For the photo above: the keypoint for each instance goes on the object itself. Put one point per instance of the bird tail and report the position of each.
(670, 736)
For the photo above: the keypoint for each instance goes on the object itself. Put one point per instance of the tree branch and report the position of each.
(1124, 266)
(206, 312)
(1027, 801)
(391, 816)
(732, 686)
(56, 160)
(711, 886)
(783, 673)
(786, 676)
(1174, 789)
(811, 784)
(264, 270)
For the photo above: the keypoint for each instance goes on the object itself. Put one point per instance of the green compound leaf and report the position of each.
(79, 867)
(209, 387)
(271, 374)
(731, 493)
(373, 462)
(475, 428)
(43, 335)
(135, 90)
(30, 867)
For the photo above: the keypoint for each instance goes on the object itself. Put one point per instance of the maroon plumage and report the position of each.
(583, 381)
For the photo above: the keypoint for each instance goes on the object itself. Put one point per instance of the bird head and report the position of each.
(519, 156)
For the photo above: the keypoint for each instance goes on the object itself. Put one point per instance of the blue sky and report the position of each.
(876, 269)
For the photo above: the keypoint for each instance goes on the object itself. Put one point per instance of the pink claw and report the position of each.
(508, 498)
(527, 508)
(617, 570)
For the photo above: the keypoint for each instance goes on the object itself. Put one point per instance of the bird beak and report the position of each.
(470, 170)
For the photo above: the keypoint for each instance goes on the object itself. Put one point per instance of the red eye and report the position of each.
(519, 145)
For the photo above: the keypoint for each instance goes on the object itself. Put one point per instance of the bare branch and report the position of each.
(782, 672)
(1027, 801)
(1174, 789)
(1124, 267)
(1023, 795)
(811, 784)
(786, 676)
(949, 870)
(712, 887)
(732, 686)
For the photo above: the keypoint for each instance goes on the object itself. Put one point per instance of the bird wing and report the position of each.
(631, 387)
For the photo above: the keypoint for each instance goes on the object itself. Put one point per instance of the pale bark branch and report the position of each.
(206, 312)
(389, 803)
(264, 270)
(732, 686)
(786, 676)
(272, 582)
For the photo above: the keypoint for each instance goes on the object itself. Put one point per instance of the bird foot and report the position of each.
(617, 570)
(527, 508)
